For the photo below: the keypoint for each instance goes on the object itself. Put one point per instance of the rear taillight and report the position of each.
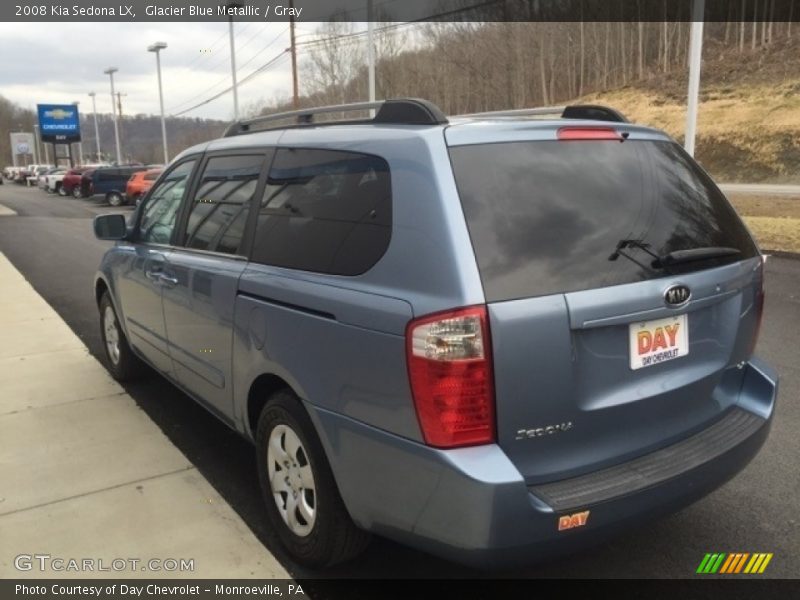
(758, 306)
(450, 370)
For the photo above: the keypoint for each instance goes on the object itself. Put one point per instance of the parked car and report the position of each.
(491, 338)
(36, 171)
(42, 180)
(71, 182)
(109, 182)
(139, 183)
(52, 180)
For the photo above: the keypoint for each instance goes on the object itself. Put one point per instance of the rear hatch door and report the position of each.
(622, 292)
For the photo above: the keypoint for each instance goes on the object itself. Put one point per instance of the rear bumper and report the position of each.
(471, 505)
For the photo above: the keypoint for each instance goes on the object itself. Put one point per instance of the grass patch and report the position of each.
(775, 233)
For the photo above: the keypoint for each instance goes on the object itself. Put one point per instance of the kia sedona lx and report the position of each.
(492, 337)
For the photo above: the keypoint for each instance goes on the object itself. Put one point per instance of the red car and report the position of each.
(71, 184)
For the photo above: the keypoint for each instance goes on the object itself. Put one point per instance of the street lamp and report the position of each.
(110, 72)
(76, 104)
(96, 130)
(157, 47)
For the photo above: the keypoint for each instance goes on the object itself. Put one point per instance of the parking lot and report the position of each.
(50, 241)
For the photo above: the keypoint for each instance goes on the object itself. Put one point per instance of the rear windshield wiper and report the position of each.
(678, 257)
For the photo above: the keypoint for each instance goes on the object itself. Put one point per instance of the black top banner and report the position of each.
(398, 10)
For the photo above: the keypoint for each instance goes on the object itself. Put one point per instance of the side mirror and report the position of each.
(110, 227)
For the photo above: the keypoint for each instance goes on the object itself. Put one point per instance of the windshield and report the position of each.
(550, 217)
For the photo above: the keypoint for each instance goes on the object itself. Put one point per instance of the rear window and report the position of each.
(547, 217)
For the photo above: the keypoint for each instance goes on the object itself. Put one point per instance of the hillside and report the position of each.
(749, 114)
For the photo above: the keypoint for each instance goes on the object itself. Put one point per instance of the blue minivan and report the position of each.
(492, 337)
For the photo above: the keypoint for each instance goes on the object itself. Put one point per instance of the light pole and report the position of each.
(157, 47)
(96, 130)
(695, 62)
(233, 5)
(36, 143)
(110, 72)
(76, 104)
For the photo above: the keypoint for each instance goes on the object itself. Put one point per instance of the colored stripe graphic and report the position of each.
(741, 563)
(734, 562)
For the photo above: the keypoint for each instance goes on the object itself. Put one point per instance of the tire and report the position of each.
(123, 364)
(329, 536)
(115, 199)
(76, 192)
(59, 190)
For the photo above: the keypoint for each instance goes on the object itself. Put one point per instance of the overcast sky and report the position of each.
(62, 62)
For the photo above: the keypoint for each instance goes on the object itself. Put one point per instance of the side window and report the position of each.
(222, 202)
(163, 202)
(324, 211)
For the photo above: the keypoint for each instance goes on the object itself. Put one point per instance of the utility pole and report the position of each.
(695, 61)
(233, 5)
(96, 130)
(293, 49)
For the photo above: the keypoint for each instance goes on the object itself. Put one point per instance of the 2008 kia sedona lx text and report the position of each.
(492, 337)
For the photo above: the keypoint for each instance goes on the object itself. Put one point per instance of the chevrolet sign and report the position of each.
(59, 123)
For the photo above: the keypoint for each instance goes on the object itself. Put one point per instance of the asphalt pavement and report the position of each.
(50, 241)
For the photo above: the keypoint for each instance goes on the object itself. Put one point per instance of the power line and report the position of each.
(211, 47)
(226, 78)
(273, 61)
(275, 39)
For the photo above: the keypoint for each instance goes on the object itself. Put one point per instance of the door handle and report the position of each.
(167, 280)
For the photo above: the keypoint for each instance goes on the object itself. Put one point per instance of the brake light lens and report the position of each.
(758, 303)
(450, 371)
(589, 133)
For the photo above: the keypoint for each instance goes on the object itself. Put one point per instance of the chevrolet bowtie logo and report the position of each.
(58, 113)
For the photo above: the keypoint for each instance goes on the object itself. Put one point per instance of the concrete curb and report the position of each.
(86, 475)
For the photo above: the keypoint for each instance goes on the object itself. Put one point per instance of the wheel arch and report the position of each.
(259, 393)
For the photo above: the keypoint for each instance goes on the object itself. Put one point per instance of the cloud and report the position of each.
(63, 62)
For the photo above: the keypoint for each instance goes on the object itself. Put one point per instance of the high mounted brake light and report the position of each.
(450, 371)
(589, 133)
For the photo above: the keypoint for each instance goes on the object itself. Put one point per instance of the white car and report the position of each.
(34, 171)
(52, 181)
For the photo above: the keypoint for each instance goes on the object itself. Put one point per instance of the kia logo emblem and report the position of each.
(677, 295)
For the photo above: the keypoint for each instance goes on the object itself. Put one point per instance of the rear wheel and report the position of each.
(76, 192)
(115, 199)
(302, 500)
(124, 365)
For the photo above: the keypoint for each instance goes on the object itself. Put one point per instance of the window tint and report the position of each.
(222, 202)
(324, 211)
(162, 204)
(546, 217)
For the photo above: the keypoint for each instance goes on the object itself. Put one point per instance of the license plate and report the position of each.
(655, 342)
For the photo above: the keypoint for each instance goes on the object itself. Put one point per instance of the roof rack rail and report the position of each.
(576, 111)
(400, 111)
